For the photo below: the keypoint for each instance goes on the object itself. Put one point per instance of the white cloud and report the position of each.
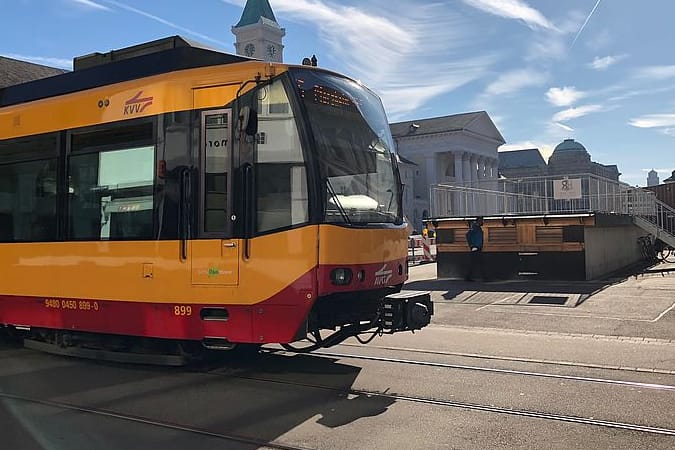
(513, 9)
(564, 127)
(44, 60)
(656, 72)
(91, 4)
(564, 96)
(407, 52)
(513, 81)
(604, 63)
(654, 121)
(575, 113)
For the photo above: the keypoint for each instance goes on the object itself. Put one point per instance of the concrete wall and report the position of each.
(609, 249)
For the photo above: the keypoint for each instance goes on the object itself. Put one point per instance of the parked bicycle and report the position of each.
(654, 249)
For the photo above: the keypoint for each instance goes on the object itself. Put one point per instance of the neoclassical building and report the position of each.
(571, 157)
(459, 149)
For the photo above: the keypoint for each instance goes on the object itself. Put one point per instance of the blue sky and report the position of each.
(601, 72)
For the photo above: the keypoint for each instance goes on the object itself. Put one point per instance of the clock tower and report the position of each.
(258, 35)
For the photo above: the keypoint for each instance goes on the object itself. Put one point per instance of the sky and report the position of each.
(598, 71)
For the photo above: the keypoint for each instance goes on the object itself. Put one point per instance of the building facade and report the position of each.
(522, 164)
(653, 178)
(571, 157)
(258, 34)
(459, 149)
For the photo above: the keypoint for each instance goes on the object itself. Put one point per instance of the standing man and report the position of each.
(474, 238)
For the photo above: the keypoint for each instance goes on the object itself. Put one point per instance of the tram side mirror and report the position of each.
(248, 121)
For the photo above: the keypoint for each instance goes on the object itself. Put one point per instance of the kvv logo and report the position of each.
(383, 276)
(137, 104)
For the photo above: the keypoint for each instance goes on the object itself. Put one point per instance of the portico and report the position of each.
(460, 150)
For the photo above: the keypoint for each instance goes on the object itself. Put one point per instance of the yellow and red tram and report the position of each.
(185, 194)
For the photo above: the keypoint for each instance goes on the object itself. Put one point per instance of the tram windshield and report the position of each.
(354, 148)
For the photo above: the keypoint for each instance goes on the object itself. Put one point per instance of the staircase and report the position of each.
(657, 219)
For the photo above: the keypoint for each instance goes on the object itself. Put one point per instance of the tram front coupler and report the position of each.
(406, 311)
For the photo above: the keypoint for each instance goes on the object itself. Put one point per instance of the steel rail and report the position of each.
(662, 387)
(152, 422)
(518, 360)
(471, 406)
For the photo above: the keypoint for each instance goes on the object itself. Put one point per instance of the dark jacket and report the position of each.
(474, 237)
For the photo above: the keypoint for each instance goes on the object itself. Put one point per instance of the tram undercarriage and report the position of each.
(353, 315)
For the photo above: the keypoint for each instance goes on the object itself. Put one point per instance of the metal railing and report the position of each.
(556, 194)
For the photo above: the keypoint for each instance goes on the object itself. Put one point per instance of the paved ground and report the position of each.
(494, 370)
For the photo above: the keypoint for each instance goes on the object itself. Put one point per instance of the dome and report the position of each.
(569, 145)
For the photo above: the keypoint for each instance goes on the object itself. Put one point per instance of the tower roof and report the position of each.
(254, 11)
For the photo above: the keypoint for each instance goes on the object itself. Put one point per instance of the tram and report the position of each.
(171, 193)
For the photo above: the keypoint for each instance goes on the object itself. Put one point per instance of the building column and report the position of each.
(459, 174)
(473, 162)
(466, 169)
(457, 201)
(432, 171)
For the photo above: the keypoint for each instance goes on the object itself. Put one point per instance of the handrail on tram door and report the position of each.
(249, 209)
(185, 183)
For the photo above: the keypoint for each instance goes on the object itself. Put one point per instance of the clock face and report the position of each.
(249, 50)
(271, 50)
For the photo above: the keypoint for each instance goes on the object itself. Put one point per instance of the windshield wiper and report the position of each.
(339, 206)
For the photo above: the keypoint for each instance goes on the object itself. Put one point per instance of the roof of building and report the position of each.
(521, 158)
(670, 179)
(164, 55)
(444, 124)
(254, 11)
(570, 145)
(14, 71)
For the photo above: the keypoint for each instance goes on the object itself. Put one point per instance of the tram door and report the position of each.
(215, 257)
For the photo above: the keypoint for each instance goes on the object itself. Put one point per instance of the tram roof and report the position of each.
(101, 69)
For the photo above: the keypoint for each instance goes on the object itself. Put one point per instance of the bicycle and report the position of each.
(664, 252)
(647, 248)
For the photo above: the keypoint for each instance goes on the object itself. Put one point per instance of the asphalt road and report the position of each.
(488, 373)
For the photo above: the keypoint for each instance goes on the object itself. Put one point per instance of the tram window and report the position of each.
(28, 201)
(216, 148)
(282, 198)
(111, 194)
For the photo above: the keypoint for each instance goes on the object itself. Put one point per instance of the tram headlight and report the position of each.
(341, 276)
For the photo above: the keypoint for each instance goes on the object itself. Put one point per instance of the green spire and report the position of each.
(254, 11)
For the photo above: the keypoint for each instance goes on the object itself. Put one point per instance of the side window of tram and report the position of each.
(28, 189)
(111, 194)
(28, 201)
(280, 169)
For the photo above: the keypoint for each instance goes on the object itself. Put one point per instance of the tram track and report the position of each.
(590, 421)
(515, 359)
(152, 422)
(634, 384)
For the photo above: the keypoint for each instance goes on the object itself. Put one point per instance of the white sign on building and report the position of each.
(567, 189)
